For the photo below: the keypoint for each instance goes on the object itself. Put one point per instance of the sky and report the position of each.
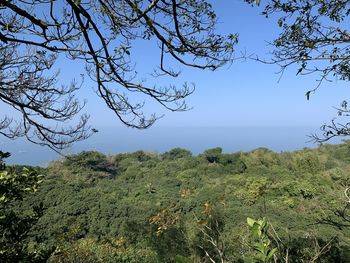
(237, 96)
(244, 93)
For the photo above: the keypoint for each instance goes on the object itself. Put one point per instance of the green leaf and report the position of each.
(260, 258)
(260, 247)
(250, 221)
(271, 253)
(256, 230)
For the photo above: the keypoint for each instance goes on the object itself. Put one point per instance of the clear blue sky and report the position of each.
(238, 95)
(244, 93)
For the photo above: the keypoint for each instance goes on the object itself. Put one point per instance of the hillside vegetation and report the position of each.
(147, 207)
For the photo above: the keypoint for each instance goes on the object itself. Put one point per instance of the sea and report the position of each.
(114, 140)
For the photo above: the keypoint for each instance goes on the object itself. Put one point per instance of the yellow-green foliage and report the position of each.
(252, 190)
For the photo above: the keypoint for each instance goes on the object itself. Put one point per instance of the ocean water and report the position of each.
(112, 140)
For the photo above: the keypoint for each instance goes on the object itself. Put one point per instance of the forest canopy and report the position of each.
(148, 207)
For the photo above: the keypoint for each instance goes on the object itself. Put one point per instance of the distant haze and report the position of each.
(112, 140)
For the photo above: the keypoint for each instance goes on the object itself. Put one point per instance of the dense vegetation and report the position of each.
(148, 207)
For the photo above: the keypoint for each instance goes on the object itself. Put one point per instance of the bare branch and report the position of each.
(101, 34)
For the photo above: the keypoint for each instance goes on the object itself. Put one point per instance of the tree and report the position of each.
(176, 153)
(315, 37)
(101, 33)
(213, 155)
(14, 222)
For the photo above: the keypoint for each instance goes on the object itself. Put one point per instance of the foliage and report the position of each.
(176, 154)
(208, 238)
(14, 223)
(264, 251)
(268, 246)
(114, 250)
(176, 205)
(213, 155)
